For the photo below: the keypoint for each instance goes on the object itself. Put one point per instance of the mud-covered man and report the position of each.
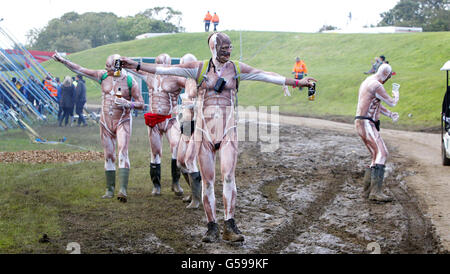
(187, 152)
(120, 95)
(367, 123)
(163, 100)
(216, 123)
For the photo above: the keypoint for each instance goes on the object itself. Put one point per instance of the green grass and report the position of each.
(336, 60)
(63, 199)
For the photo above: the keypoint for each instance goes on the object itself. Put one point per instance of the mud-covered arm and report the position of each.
(191, 88)
(140, 74)
(138, 102)
(187, 70)
(136, 94)
(92, 74)
(253, 74)
(381, 94)
(386, 112)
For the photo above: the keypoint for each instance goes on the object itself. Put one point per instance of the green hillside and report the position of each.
(336, 60)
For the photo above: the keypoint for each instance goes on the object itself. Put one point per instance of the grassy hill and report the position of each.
(336, 60)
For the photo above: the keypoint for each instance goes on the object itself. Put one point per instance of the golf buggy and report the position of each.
(445, 121)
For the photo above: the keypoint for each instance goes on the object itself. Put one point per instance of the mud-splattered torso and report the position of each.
(163, 93)
(368, 103)
(111, 113)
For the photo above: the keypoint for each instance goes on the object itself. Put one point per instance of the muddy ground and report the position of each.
(304, 198)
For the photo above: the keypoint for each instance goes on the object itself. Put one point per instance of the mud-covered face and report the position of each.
(220, 45)
(224, 52)
(384, 73)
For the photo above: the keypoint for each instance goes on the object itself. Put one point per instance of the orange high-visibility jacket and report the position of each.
(208, 17)
(53, 91)
(300, 67)
(215, 18)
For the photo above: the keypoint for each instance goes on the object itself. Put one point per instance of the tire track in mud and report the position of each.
(420, 235)
(302, 220)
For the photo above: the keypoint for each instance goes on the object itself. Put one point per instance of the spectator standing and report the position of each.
(80, 99)
(378, 62)
(67, 100)
(50, 87)
(58, 98)
(300, 70)
(215, 21)
(74, 81)
(207, 20)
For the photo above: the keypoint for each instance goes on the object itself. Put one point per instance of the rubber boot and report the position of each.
(376, 182)
(124, 174)
(188, 198)
(110, 184)
(231, 232)
(213, 233)
(155, 175)
(196, 190)
(366, 182)
(176, 174)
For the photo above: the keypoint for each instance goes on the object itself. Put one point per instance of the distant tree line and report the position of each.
(431, 15)
(76, 32)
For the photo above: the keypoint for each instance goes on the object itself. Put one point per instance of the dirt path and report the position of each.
(430, 179)
(306, 197)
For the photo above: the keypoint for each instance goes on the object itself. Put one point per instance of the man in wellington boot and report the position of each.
(196, 190)
(176, 174)
(110, 184)
(213, 233)
(188, 198)
(124, 174)
(376, 192)
(155, 175)
(366, 181)
(231, 232)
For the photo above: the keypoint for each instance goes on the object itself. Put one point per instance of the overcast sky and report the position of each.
(276, 15)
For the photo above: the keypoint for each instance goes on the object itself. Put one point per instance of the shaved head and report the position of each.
(187, 58)
(384, 73)
(163, 59)
(110, 60)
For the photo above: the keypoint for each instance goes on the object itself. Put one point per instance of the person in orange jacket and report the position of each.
(207, 20)
(215, 21)
(300, 70)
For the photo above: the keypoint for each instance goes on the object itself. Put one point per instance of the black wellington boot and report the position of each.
(155, 175)
(176, 174)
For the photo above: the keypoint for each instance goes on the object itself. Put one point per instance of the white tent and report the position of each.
(446, 66)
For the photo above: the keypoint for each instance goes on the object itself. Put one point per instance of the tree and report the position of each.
(75, 32)
(431, 15)
(327, 27)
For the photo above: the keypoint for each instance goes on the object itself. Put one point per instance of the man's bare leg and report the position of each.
(173, 137)
(109, 149)
(123, 140)
(228, 159)
(379, 153)
(155, 139)
(181, 152)
(206, 160)
(194, 174)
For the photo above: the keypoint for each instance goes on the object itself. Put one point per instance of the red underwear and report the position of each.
(152, 119)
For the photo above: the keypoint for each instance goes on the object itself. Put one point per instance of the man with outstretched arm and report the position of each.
(216, 123)
(367, 123)
(120, 95)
